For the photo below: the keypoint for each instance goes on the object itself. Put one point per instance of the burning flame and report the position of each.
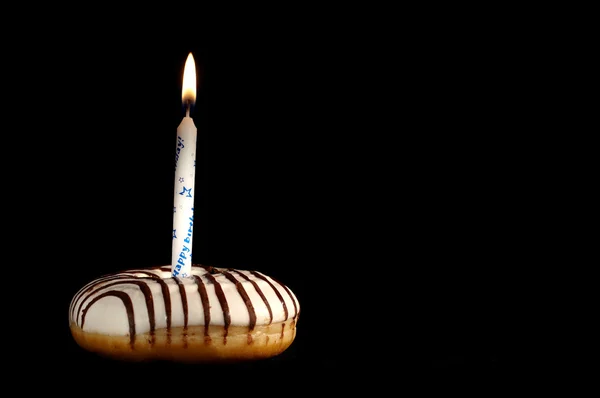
(188, 92)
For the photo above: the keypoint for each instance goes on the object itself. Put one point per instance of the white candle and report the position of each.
(185, 172)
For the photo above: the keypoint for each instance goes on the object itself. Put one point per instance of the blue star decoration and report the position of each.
(181, 179)
(174, 235)
(188, 191)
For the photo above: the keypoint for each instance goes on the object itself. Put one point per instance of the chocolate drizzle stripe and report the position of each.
(245, 297)
(102, 283)
(147, 273)
(128, 307)
(223, 302)
(94, 289)
(167, 300)
(205, 303)
(281, 299)
(262, 295)
(147, 296)
(289, 292)
(89, 288)
(184, 303)
(106, 278)
(185, 309)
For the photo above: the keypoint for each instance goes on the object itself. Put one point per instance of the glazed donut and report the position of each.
(215, 315)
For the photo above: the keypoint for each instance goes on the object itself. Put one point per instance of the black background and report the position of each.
(369, 166)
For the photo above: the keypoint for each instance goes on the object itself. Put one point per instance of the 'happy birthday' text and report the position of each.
(186, 249)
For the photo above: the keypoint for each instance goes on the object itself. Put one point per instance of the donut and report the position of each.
(214, 315)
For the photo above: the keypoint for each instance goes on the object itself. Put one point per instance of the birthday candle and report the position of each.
(185, 171)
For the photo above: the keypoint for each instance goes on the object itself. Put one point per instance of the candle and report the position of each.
(185, 171)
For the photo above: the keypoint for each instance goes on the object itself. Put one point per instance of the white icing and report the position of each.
(108, 314)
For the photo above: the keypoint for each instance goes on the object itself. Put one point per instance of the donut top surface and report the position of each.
(143, 300)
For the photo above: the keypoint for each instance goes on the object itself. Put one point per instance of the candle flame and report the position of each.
(188, 92)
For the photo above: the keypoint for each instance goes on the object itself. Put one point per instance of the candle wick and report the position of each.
(187, 108)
